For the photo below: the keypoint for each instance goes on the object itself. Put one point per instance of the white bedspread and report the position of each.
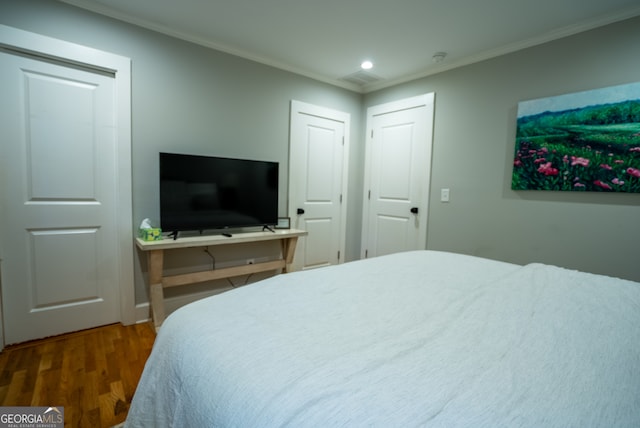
(424, 338)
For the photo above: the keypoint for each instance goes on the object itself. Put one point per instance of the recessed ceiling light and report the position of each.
(366, 65)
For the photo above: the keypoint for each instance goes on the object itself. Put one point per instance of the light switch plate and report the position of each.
(444, 195)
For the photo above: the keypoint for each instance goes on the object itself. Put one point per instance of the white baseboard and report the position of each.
(143, 311)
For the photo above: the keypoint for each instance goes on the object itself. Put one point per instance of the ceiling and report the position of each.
(328, 39)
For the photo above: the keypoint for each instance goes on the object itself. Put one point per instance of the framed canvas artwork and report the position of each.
(585, 141)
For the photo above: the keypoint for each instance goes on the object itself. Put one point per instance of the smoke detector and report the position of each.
(438, 57)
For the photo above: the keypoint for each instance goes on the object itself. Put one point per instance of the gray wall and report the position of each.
(474, 139)
(187, 98)
(192, 99)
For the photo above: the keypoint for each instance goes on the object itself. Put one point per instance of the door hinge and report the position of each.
(340, 197)
(366, 253)
(369, 197)
(372, 133)
(338, 255)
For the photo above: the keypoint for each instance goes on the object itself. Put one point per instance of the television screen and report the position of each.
(204, 192)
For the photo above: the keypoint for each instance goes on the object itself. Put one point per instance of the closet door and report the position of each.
(59, 233)
(397, 174)
(317, 183)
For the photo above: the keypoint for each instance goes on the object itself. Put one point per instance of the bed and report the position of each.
(421, 338)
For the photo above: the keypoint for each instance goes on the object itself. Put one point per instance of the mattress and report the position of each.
(422, 338)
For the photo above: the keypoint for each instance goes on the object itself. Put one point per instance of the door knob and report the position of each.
(300, 211)
(414, 210)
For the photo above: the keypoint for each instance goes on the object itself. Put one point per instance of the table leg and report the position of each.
(156, 292)
(288, 250)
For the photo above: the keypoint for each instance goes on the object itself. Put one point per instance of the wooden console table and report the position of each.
(155, 251)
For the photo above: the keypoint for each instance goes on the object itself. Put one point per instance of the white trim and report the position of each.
(171, 304)
(549, 36)
(13, 39)
(210, 44)
(537, 40)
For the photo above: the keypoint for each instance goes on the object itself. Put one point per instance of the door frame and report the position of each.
(425, 100)
(13, 40)
(297, 108)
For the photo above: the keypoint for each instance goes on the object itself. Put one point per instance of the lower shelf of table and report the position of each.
(228, 272)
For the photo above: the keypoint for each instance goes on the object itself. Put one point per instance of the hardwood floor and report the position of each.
(92, 374)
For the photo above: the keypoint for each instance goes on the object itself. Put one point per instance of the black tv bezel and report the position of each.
(213, 227)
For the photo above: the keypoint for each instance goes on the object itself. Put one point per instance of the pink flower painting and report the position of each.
(586, 142)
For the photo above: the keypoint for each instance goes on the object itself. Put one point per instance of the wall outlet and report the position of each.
(444, 195)
(251, 261)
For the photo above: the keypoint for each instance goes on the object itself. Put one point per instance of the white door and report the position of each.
(317, 183)
(397, 174)
(58, 163)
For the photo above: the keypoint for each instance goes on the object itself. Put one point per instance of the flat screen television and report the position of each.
(199, 193)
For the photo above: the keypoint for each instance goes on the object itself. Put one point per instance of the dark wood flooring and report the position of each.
(92, 374)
